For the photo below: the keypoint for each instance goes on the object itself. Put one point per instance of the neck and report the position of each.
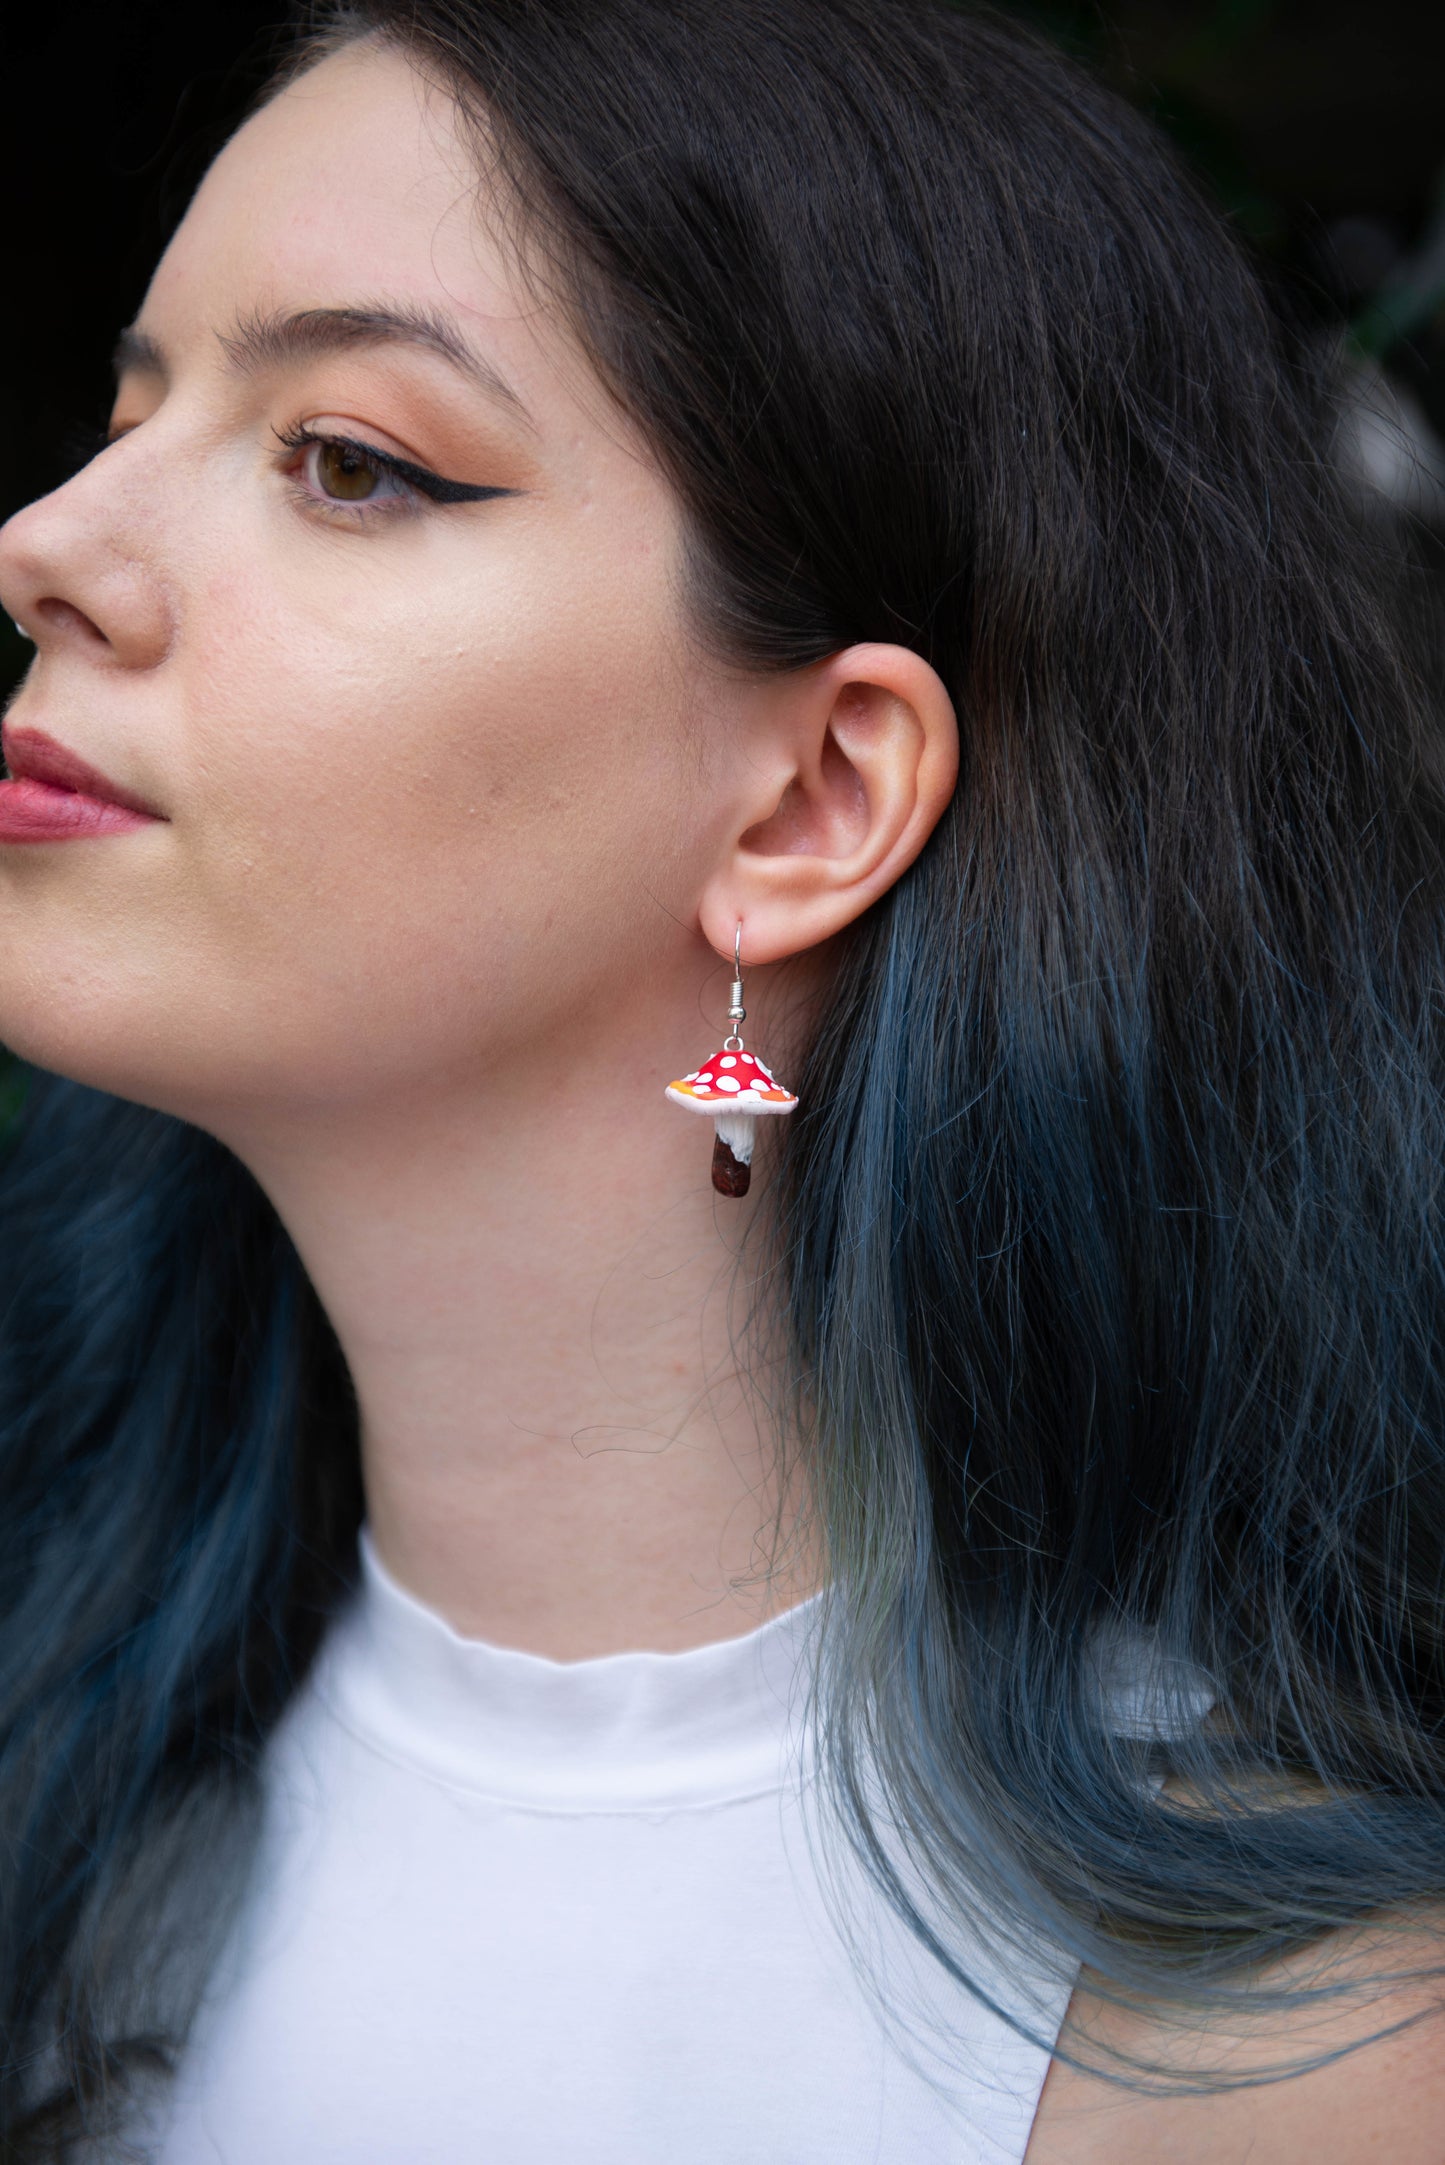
(533, 1284)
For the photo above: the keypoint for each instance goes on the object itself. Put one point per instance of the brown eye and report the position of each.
(344, 473)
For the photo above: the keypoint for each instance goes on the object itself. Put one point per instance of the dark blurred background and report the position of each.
(1319, 125)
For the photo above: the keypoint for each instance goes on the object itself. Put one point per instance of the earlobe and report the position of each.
(867, 753)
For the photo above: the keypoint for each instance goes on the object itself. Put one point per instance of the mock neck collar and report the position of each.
(622, 1732)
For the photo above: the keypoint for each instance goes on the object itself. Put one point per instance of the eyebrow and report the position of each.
(278, 339)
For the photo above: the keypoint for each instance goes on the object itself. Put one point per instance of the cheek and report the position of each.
(415, 814)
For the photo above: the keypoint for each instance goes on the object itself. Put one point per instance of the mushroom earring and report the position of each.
(734, 1089)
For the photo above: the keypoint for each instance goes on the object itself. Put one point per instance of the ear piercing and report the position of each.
(735, 1089)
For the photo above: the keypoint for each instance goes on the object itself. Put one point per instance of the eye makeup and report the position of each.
(436, 487)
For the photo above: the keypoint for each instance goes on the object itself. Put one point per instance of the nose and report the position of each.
(79, 571)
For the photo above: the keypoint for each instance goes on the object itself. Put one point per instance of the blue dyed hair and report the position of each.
(1111, 1224)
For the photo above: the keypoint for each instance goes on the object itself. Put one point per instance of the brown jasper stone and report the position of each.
(728, 1177)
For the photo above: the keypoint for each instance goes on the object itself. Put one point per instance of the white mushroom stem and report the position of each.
(737, 1131)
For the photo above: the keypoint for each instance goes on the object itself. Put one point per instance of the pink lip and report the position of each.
(55, 796)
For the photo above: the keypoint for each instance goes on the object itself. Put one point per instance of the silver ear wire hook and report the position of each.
(736, 1011)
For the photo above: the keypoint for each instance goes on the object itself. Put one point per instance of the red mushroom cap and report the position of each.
(732, 1082)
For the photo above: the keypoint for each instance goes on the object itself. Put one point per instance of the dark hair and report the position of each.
(1110, 1225)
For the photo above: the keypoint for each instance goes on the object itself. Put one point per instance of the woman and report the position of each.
(600, 497)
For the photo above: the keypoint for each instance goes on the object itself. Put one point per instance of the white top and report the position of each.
(512, 1911)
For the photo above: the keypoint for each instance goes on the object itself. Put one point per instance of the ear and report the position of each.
(847, 773)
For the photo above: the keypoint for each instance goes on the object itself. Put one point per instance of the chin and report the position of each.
(93, 1036)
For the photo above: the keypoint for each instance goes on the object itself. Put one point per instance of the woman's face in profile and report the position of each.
(422, 756)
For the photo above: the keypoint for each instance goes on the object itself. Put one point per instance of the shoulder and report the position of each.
(1385, 2100)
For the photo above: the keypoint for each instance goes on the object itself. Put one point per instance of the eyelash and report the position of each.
(415, 480)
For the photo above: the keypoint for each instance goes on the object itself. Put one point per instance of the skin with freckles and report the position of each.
(459, 817)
